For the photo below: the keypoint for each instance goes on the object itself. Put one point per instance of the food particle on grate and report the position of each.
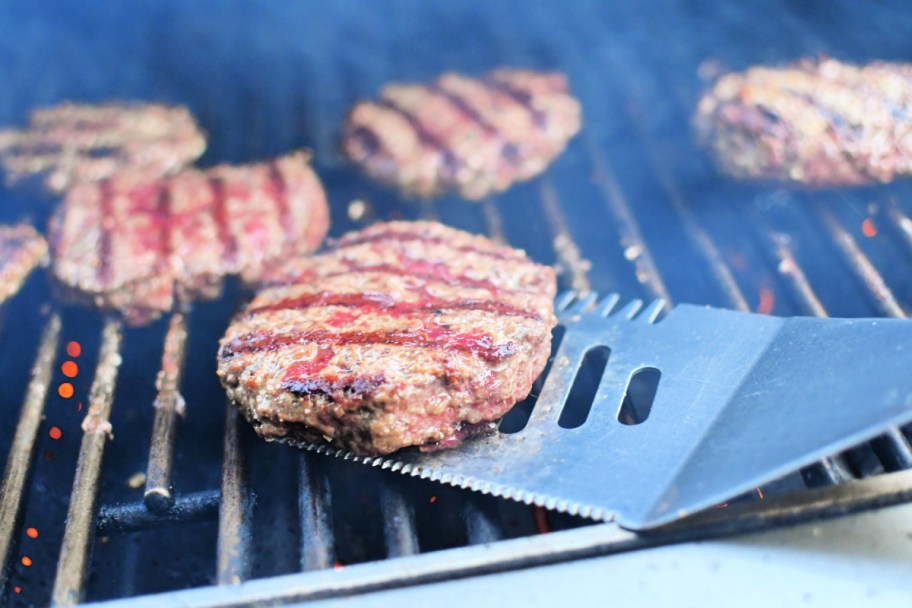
(816, 122)
(73, 143)
(135, 244)
(401, 334)
(473, 135)
(21, 250)
(136, 480)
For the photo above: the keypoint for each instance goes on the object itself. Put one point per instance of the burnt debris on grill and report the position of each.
(72, 143)
(473, 135)
(136, 243)
(21, 250)
(816, 122)
(405, 333)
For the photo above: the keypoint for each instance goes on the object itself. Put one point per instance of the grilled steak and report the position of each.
(821, 123)
(134, 243)
(401, 334)
(73, 143)
(476, 136)
(21, 249)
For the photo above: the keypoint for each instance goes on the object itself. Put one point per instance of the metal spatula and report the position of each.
(739, 400)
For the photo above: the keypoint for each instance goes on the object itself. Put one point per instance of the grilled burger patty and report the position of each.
(401, 334)
(134, 243)
(21, 249)
(476, 136)
(73, 143)
(821, 123)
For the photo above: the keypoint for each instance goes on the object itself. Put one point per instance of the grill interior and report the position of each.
(632, 207)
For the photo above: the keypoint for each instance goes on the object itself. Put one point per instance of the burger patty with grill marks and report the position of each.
(74, 143)
(473, 135)
(134, 244)
(21, 250)
(401, 334)
(817, 122)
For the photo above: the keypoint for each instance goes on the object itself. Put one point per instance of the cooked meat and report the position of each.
(21, 249)
(401, 334)
(133, 243)
(73, 143)
(821, 123)
(476, 136)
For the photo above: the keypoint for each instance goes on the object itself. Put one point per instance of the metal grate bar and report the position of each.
(75, 554)
(169, 409)
(568, 253)
(315, 509)
(398, 522)
(20, 457)
(861, 265)
(635, 249)
(902, 222)
(232, 563)
(482, 524)
(493, 222)
(790, 269)
(135, 516)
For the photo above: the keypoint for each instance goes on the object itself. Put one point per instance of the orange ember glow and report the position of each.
(65, 390)
(26, 561)
(69, 369)
(32, 532)
(760, 493)
(541, 520)
(17, 589)
(73, 349)
(767, 301)
(868, 228)
(433, 499)
(338, 566)
(55, 433)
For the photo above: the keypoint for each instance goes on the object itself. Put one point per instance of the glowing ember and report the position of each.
(760, 493)
(17, 589)
(767, 301)
(868, 228)
(55, 433)
(338, 566)
(433, 499)
(69, 369)
(32, 532)
(65, 390)
(73, 349)
(26, 561)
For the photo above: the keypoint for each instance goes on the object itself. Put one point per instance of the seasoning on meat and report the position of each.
(402, 334)
(475, 136)
(73, 143)
(820, 123)
(133, 243)
(21, 250)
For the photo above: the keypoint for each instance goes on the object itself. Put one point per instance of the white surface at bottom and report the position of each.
(861, 560)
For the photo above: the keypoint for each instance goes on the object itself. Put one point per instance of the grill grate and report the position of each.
(624, 196)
